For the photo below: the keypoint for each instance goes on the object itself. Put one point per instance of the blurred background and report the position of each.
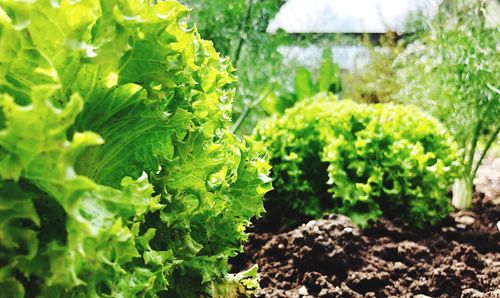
(441, 55)
(358, 49)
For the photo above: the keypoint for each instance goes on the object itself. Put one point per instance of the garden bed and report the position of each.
(331, 257)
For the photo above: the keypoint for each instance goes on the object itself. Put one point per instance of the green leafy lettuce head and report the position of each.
(118, 177)
(359, 160)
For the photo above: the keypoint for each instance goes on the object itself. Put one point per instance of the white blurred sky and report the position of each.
(348, 16)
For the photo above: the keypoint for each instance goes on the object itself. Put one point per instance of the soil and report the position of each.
(331, 257)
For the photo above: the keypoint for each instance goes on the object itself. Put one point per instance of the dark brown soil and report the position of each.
(331, 257)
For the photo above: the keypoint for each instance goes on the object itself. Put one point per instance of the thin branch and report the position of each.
(486, 148)
(241, 41)
(247, 108)
(472, 149)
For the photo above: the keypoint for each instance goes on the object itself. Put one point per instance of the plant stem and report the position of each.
(241, 41)
(486, 148)
(472, 149)
(236, 57)
(462, 192)
(247, 108)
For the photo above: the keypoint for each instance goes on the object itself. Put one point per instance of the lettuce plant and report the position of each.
(360, 160)
(118, 176)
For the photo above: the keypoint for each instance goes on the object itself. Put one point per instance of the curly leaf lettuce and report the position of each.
(360, 160)
(118, 177)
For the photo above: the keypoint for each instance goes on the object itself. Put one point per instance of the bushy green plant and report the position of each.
(118, 177)
(452, 72)
(359, 160)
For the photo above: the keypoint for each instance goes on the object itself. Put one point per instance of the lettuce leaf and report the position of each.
(118, 176)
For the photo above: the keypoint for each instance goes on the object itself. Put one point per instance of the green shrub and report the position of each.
(451, 71)
(359, 160)
(118, 177)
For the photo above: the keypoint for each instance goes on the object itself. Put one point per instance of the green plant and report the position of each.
(452, 72)
(328, 80)
(375, 81)
(359, 160)
(118, 176)
(277, 98)
(238, 30)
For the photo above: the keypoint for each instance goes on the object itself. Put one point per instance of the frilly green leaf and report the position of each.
(118, 176)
